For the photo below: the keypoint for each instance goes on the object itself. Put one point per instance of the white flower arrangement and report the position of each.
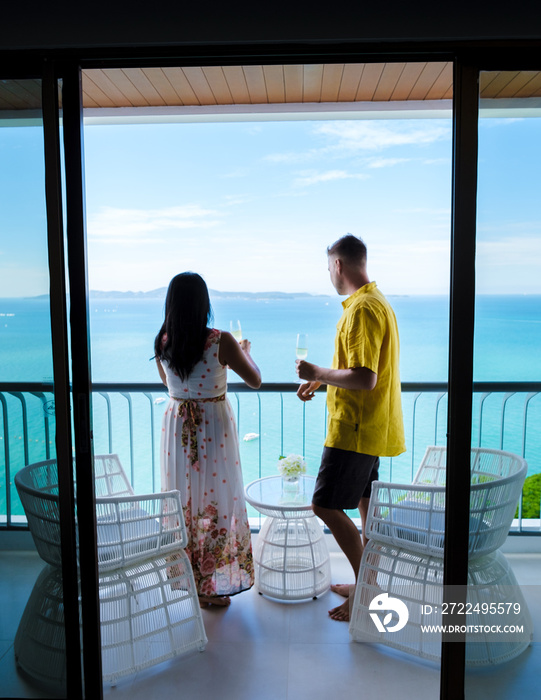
(292, 465)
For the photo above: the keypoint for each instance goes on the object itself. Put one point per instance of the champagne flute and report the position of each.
(236, 330)
(302, 350)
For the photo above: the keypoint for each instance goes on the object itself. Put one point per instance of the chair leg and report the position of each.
(165, 622)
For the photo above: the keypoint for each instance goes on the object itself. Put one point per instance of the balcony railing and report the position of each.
(127, 420)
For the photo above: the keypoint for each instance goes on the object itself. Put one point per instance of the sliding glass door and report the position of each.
(46, 584)
(32, 583)
(507, 375)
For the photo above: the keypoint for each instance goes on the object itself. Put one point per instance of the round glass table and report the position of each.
(291, 557)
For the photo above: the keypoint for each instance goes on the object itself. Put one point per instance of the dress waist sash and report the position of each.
(190, 412)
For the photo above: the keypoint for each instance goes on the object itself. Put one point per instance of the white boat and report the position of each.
(159, 401)
(250, 436)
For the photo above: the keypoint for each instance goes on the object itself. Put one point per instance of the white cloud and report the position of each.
(232, 200)
(386, 162)
(519, 229)
(426, 210)
(509, 265)
(414, 266)
(343, 138)
(366, 135)
(523, 251)
(294, 157)
(491, 122)
(313, 177)
(437, 161)
(138, 225)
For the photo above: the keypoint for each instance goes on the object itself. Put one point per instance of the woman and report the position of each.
(199, 445)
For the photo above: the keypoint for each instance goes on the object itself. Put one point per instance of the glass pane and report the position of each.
(250, 195)
(506, 418)
(32, 644)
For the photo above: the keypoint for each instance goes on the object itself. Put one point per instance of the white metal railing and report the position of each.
(127, 420)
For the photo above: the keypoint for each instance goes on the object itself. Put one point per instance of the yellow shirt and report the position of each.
(369, 422)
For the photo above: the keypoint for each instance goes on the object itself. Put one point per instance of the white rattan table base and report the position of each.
(291, 559)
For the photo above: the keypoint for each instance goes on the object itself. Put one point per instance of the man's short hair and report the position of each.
(350, 249)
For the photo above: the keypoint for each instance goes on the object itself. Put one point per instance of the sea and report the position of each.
(122, 331)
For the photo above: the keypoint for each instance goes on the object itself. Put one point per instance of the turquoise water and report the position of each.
(508, 335)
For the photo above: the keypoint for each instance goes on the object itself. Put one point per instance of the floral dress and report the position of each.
(200, 458)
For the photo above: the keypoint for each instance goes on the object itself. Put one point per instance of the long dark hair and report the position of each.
(187, 315)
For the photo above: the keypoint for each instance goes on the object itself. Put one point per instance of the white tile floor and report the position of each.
(259, 649)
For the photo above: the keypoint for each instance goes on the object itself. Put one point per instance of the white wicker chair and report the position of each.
(404, 555)
(413, 515)
(149, 608)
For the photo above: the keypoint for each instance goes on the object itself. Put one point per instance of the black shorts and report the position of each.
(344, 478)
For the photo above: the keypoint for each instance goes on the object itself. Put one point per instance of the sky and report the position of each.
(252, 206)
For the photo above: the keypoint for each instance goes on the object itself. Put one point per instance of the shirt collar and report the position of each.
(362, 290)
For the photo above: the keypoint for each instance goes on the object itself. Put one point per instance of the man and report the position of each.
(363, 400)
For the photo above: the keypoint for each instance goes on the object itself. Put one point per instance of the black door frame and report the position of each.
(469, 58)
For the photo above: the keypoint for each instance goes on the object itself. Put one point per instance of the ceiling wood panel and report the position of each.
(369, 82)
(89, 102)
(4, 104)
(532, 88)
(519, 82)
(242, 85)
(388, 80)
(119, 77)
(14, 101)
(255, 80)
(294, 83)
(144, 87)
(21, 94)
(407, 81)
(104, 80)
(275, 84)
(98, 96)
(182, 86)
(313, 77)
(237, 84)
(499, 84)
(218, 84)
(163, 86)
(199, 84)
(331, 81)
(442, 89)
(350, 82)
(33, 89)
(429, 74)
(351, 78)
(448, 94)
(485, 78)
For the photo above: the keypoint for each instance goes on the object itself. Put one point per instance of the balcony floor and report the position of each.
(259, 649)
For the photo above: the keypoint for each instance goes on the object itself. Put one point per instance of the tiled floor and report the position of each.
(18, 573)
(259, 649)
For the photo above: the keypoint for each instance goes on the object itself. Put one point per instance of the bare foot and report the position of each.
(343, 589)
(222, 601)
(340, 613)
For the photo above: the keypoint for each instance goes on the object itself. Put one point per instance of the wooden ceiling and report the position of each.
(510, 84)
(281, 84)
(230, 85)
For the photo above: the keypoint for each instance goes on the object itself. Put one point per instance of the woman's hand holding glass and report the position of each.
(236, 330)
(246, 346)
